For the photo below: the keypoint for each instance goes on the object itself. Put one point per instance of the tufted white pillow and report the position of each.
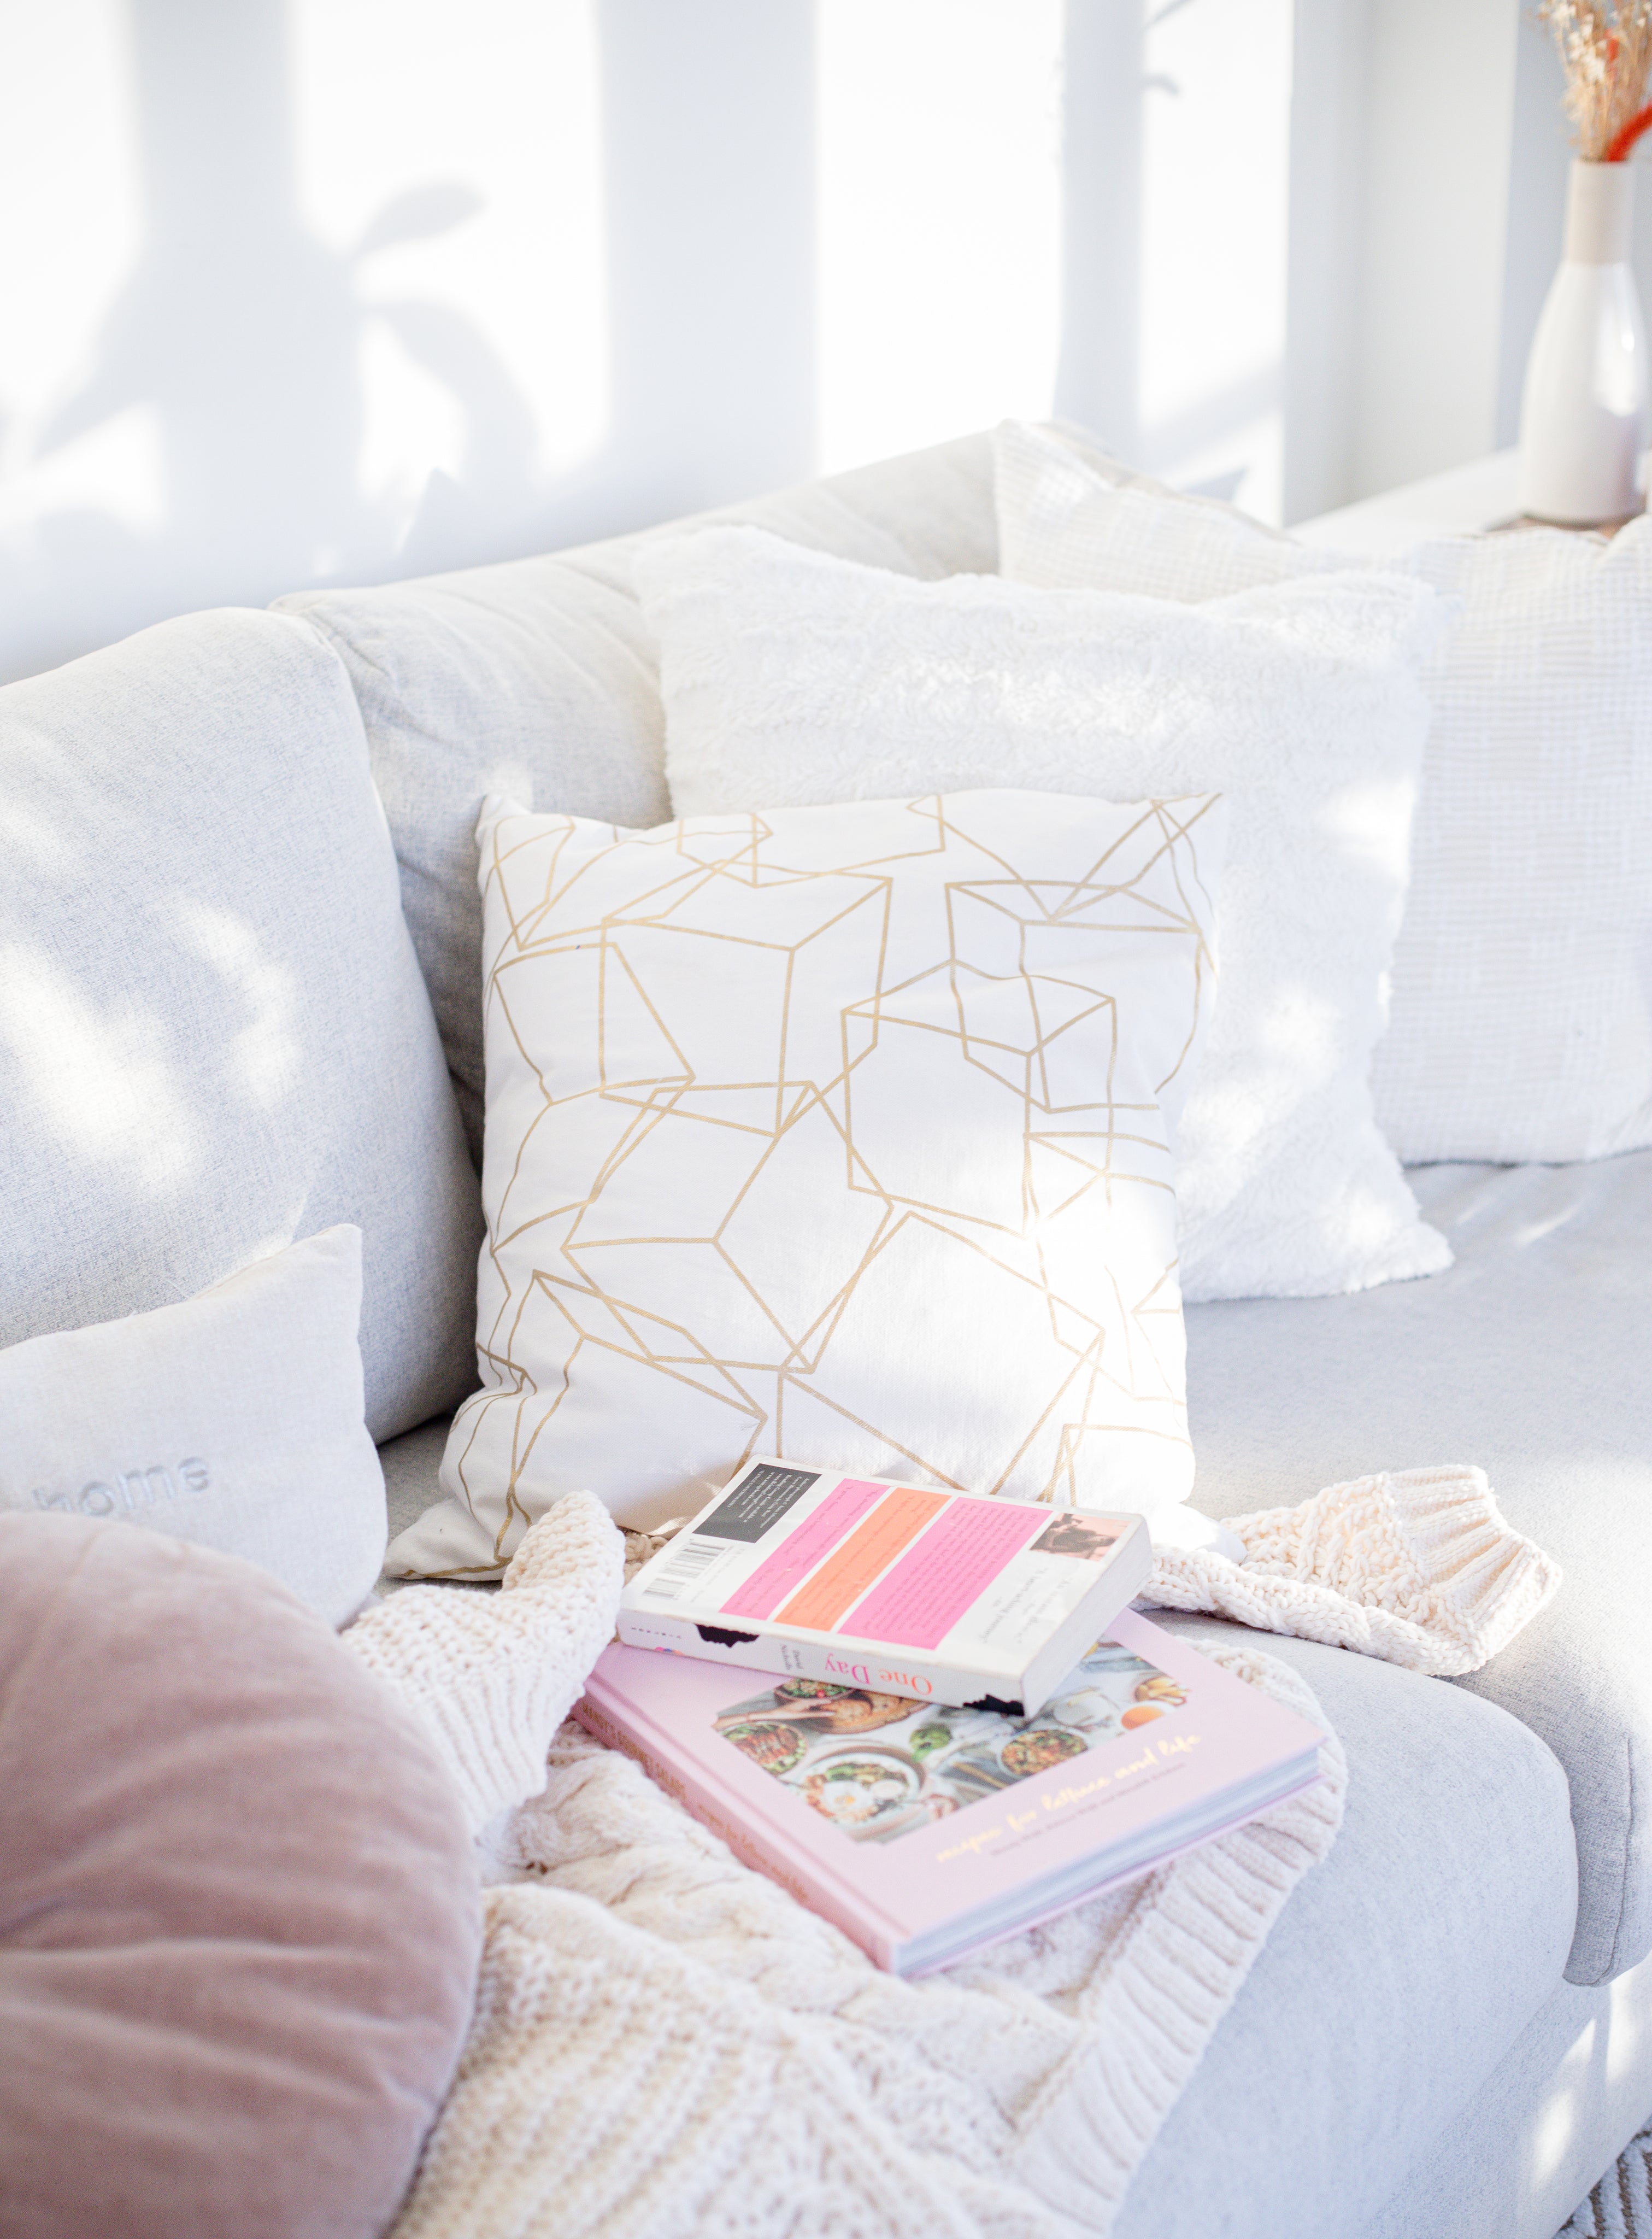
(834, 1133)
(1521, 1015)
(791, 677)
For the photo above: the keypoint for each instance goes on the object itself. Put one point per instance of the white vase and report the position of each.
(1583, 418)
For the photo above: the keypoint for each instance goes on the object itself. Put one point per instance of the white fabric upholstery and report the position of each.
(794, 677)
(1395, 1980)
(412, 1467)
(1521, 1020)
(1543, 2127)
(232, 1419)
(1528, 1356)
(536, 679)
(213, 1038)
(800, 1126)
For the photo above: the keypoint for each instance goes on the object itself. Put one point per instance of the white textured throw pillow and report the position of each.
(233, 1420)
(1522, 1022)
(791, 677)
(832, 1133)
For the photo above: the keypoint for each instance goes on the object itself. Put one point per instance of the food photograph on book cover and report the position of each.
(880, 1766)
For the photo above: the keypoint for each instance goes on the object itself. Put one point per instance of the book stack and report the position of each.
(947, 1724)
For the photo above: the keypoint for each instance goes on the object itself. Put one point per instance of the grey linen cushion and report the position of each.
(213, 1037)
(1529, 1357)
(1395, 1980)
(537, 680)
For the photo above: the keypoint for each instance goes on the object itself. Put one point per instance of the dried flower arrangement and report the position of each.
(1606, 50)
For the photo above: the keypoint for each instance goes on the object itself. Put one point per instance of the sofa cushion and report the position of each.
(1545, 2127)
(792, 676)
(1396, 1979)
(773, 1102)
(1529, 1356)
(536, 679)
(214, 1038)
(239, 1913)
(232, 1419)
(1521, 1024)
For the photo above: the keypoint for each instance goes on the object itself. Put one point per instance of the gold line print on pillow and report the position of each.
(787, 1133)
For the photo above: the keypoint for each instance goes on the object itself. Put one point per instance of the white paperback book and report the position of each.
(864, 1582)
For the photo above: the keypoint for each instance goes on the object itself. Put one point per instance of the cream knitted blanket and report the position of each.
(665, 2043)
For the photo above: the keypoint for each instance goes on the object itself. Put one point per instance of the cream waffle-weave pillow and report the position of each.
(1522, 1006)
(838, 1133)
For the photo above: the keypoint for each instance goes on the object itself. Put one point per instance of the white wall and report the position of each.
(1439, 91)
(1327, 157)
(309, 290)
(1175, 236)
(306, 290)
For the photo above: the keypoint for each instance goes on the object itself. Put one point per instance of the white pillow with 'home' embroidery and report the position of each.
(233, 1420)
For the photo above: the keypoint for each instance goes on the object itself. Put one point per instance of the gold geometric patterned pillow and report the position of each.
(838, 1135)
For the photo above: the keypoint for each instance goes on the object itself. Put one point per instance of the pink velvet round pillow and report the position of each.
(239, 1915)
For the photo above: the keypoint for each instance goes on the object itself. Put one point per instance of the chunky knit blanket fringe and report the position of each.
(1418, 1568)
(667, 2044)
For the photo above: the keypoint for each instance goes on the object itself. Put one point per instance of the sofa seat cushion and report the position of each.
(214, 1038)
(412, 1465)
(537, 679)
(1529, 1357)
(1395, 1980)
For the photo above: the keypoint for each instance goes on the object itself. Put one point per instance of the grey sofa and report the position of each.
(1449, 2033)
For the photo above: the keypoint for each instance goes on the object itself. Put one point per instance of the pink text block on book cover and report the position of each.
(800, 1551)
(923, 1598)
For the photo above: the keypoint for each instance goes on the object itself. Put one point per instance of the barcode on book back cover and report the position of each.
(682, 1571)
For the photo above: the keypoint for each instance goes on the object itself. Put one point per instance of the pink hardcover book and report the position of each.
(925, 1831)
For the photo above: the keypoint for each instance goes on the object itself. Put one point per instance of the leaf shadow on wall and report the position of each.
(709, 205)
(240, 334)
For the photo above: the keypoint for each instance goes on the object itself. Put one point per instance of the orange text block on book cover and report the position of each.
(894, 1524)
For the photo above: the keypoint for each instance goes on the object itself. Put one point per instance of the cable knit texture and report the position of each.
(666, 2043)
(1418, 1567)
(493, 1675)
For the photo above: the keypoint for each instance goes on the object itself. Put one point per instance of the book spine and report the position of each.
(702, 1803)
(790, 1657)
